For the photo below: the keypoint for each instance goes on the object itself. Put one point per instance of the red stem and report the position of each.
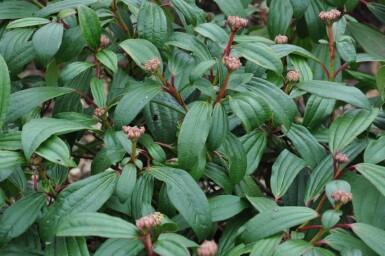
(310, 227)
(320, 242)
(344, 225)
(222, 92)
(227, 50)
(88, 99)
(325, 69)
(342, 67)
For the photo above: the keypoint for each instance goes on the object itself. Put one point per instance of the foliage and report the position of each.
(251, 127)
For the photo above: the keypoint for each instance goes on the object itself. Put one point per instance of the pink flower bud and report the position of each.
(152, 65)
(330, 16)
(133, 132)
(293, 76)
(342, 197)
(158, 217)
(281, 39)
(342, 158)
(207, 248)
(104, 41)
(99, 112)
(145, 224)
(236, 23)
(232, 63)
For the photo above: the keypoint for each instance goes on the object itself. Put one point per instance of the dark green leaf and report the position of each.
(126, 182)
(97, 89)
(380, 79)
(231, 7)
(10, 158)
(254, 144)
(16, 9)
(190, 43)
(226, 206)
(293, 247)
(105, 158)
(315, 26)
(120, 247)
(219, 127)
(67, 246)
(279, 17)
(317, 111)
(47, 40)
(5, 91)
(90, 26)
(372, 236)
(108, 58)
(169, 247)
(213, 32)
(74, 69)
(54, 7)
(266, 246)
(191, 13)
(375, 174)
(56, 151)
(374, 153)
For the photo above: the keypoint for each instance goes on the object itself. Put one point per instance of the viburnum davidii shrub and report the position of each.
(254, 131)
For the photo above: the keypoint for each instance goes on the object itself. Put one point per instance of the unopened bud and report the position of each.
(133, 132)
(281, 39)
(158, 217)
(232, 63)
(293, 76)
(342, 158)
(104, 41)
(99, 112)
(330, 16)
(35, 159)
(342, 197)
(145, 224)
(236, 23)
(152, 65)
(207, 248)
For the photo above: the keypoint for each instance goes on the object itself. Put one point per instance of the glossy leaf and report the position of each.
(27, 22)
(192, 138)
(279, 17)
(67, 246)
(74, 69)
(108, 58)
(254, 144)
(372, 236)
(15, 10)
(126, 182)
(375, 152)
(187, 198)
(96, 224)
(284, 170)
(5, 91)
(266, 246)
(317, 111)
(190, 43)
(226, 206)
(54, 7)
(119, 247)
(272, 221)
(380, 79)
(105, 158)
(56, 151)
(47, 40)
(375, 174)
(213, 32)
(97, 89)
(10, 159)
(231, 7)
(219, 127)
(90, 26)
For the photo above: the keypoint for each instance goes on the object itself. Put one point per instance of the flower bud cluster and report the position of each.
(104, 41)
(330, 16)
(341, 158)
(236, 23)
(99, 112)
(133, 132)
(281, 39)
(342, 197)
(207, 248)
(35, 159)
(293, 76)
(232, 63)
(152, 65)
(147, 223)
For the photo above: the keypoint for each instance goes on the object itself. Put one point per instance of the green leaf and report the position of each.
(190, 43)
(279, 17)
(236, 156)
(293, 247)
(272, 221)
(317, 111)
(74, 69)
(109, 59)
(187, 197)
(315, 26)
(126, 182)
(191, 13)
(105, 158)
(261, 55)
(192, 138)
(370, 39)
(372, 236)
(347, 127)
(96, 224)
(9, 159)
(336, 185)
(152, 24)
(378, 10)
(27, 22)
(307, 146)
(380, 79)
(87, 195)
(346, 49)
(47, 40)
(54, 7)
(283, 107)
(299, 7)
(284, 170)
(375, 174)
(120, 247)
(24, 101)
(250, 109)
(231, 7)
(16, 9)
(37, 131)
(266, 246)
(134, 101)
(142, 195)
(11, 141)
(374, 153)
(219, 175)
(283, 50)
(179, 238)
(56, 151)
(67, 246)
(254, 144)
(200, 69)
(5, 91)
(337, 91)
(141, 51)
(219, 127)
(90, 25)
(169, 247)
(155, 151)
(213, 32)
(19, 216)
(330, 218)
(224, 207)
(97, 89)
(72, 45)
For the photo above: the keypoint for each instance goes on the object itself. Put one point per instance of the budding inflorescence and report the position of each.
(330, 16)
(133, 132)
(342, 158)
(152, 65)
(342, 197)
(104, 41)
(293, 76)
(99, 112)
(147, 223)
(281, 39)
(232, 63)
(35, 159)
(236, 23)
(207, 248)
